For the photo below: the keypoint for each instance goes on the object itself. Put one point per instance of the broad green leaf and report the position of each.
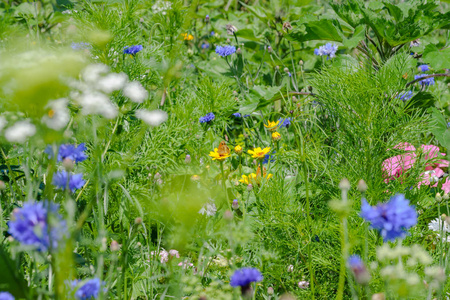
(324, 29)
(248, 34)
(265, 92)
(357, 36)
(437, 59)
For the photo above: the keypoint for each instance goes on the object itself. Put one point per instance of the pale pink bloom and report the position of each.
(405, 146)
(174, 253)
(303, 284)
(394, 166)
(185, 264)
(430, 177)
(446, 186)
(430, 151)
(164, 256)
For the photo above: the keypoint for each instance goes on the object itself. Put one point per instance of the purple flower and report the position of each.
(245, 116)
(81, 46)
(328, 49)
(225, 50)
(212, 33)
(6, 296)
(29, 225)
(76, 181)
(358, 268)
(205, 46)
(391, 219)
(71, 152)
(425, 82)
(237, 115)
(423, 68)
(244, 277)
(207, 118)
(284, 122)
(405, 96)
(88, 290)
(133, 49)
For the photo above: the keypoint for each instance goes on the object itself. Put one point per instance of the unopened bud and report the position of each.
(187, 159)
(114, 246)
(207, 18)
(157, 175)
(270, 290)
(228, 215)
(445, 197)
(277, 67)
(68, 164)
(438, 197)
(344, 184)
(235, 204)
(228, 41)
(249, 187)
(290, 268)
(300, 62)
(362, 186)
(287, 26)
(286, 70)
(138, 221)
(276, 136)
(269, 49)
(291, 112)
(443, 216)
(238, 51)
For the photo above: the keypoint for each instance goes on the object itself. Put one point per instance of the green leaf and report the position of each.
(437, 59)
(258, 12)
(324, 29)
(248, 34)
(358, 35)
(265, 92)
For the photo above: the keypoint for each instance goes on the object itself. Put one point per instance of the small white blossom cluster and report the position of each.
(437, 225)
(164, 256)
(161, 7)
(208, 209)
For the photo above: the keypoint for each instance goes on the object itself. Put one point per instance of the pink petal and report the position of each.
(446, 186)
(405, 146)
(430, 151)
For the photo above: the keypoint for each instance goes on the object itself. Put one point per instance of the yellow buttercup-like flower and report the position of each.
(271, 125)
(255, 178)
(238, 150)
(219, 156)
(187, 36)
(276, 136)
(258, 152)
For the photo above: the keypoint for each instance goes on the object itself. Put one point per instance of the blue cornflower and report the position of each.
(358, 268)
(29, 225)
(391, 219)
(425, 82)
(207, 118)
(133, 49)
(81, 46)
(244, 277)
(328, 49)
(405, 96)
(76, 181)
(71, 152)
(88, 290)
(225, 50)
(284, 122)
(212, 33)
(245, 116)
(237, 115)
(6, 296)
(355, 262)
(269, 157)
(205, 46)
(423, 68)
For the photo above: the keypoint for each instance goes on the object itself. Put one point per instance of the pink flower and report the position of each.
(430, 151)
(174, 253)
(404, 146)
(446, 186)
(395, 166)
(430, 177)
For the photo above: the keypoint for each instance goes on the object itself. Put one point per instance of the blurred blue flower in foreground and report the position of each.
(29, 225)
(391, 219)
(237, 115)
(328, 49)
(358, 268)
(76, 181)
(225, 50)
(207, 118)
(405, 95)
(6, 296)
(425, 82)
(205, 46)
(81, 46)
(244, 277)
(423, 68)
(71, 152)
(284, 122)
(90, 289)
(133, 49)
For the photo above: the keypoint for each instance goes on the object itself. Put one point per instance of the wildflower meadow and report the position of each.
(224, 149)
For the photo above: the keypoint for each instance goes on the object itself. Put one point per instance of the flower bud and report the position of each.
(138, 221)
(300, 62)
(438, 197)
(228, 41)
(68, 164)
(238, 150)
(445, 197)
(344, 184)
(114, 246)
(138, 244)
(362, 186)
(443, 216)
(228, 215)
(207, 18)
(287, 26)
(157, 175)
(249, 187)
(286, 70)
(187, 159)
(235, 204)
(238, 51)
(270, 290)
(276, 136)
(269, 49)
(277, 67)
(231, 29)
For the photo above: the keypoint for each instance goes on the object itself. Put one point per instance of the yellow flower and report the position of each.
(238, 150)
(255, 178)
(187, 36)
(216, 156)
(276, 136)
(258, 152)
(271, 125)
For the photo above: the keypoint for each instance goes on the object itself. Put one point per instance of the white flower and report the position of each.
(135, 91)
(3, 123)
(161, 7)
(20, 131)
(303, 284)
(59, 114)
(97, 103)
(436, 225)
(152, 118)
(209, 209)
(93, 73)
(112, 82)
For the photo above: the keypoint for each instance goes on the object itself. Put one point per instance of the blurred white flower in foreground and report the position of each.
(97, 103)
(58, 116)
(112, 82)
(20, 131)
(152, 118)
(92, 73)
(135, 91)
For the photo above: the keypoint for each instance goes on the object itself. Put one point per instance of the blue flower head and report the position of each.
(423, 68)
(76, 181)
(133, 49)
(90, 289)
(425, 82)
(29, 225)
(237, 115)
(225, 50)
(355, 262)
(72, 152)
(284, 122)
(81, 46)
(328, 50)
(207, 118)
(205, 46)
(243, 277)
(6, 296)
(405, 96)
(391, 219)
(269, 157)
(212, 33)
